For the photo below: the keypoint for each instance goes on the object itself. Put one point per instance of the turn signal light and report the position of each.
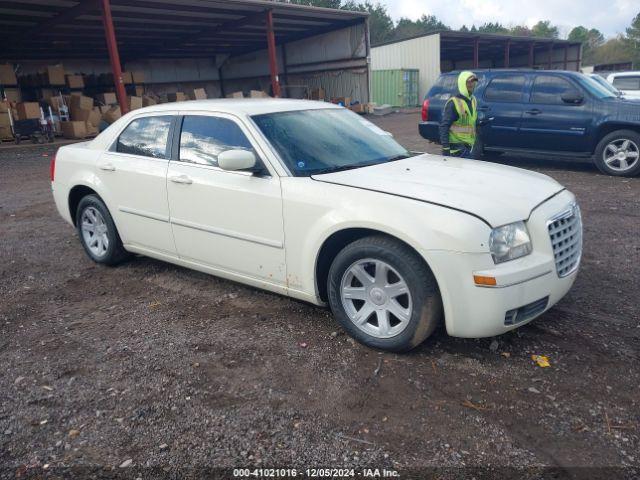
(486, 281)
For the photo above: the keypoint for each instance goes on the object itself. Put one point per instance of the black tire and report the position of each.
(115, 252)
(618, 135)
(427, 312)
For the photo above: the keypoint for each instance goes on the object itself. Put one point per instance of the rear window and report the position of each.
(506, 88)
(627, 83)
(445, 84)
(146, 137)
(549, 89)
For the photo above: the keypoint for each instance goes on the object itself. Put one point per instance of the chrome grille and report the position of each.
(565, 232)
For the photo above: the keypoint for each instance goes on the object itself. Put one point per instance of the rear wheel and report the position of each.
(618, 154)
(383, 294)
(98, 233)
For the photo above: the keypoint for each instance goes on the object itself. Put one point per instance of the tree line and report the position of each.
(595, 47)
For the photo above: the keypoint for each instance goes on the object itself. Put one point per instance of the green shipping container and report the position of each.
(398, 88)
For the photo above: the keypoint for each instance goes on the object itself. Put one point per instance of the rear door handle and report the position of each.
(107, 167)
(534, 111)
(183, 179)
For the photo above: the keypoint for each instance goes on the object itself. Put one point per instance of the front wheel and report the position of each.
(618, 154)
(383, 294)
(98, 233)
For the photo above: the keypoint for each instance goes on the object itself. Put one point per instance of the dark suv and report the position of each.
(549, 112)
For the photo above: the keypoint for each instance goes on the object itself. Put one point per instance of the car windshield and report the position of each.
(595, 88)
(327, 140)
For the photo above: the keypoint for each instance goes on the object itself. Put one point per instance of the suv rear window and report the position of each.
(507, 88)
(627, 83)
(445, 84)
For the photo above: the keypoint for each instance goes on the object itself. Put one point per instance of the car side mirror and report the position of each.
(237, 159)
(573, 98)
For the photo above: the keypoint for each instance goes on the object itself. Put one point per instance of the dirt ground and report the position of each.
(150, 370)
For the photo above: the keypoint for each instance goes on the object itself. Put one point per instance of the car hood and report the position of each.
(496, 193)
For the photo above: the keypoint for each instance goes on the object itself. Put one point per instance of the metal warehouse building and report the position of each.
(222, 46)
(444, 51)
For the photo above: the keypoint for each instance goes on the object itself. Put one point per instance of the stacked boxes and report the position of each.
(7, 76)
(5, 122)
(28, 110)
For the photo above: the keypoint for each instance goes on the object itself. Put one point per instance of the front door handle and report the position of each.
(534, 111)
(183, 179)
(107, 167)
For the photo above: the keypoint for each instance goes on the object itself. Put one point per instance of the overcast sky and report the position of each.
(610, 17)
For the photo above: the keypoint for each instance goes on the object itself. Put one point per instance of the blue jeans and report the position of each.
(463, 151)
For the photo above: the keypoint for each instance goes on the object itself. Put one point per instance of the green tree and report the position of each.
(633, 40)
(406, 28)
(544, 29)
(380, 23)
(520, 31)
(591, 39)
(614, 50)
(493, 28)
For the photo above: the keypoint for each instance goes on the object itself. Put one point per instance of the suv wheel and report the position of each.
(98, 233)
(383, 294)
(618, 154)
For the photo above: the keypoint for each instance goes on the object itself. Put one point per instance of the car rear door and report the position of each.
(500, 110)
(133, 174)
(230, 221)
(551, 124)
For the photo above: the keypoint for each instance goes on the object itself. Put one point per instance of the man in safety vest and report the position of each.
(459, 118)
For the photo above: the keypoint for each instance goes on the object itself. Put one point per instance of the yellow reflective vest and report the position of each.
(463, 130)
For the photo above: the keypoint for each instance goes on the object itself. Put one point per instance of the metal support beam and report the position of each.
(273, 61)
(114, 56)
(550, 63)
(531, 48)
(476, 52)
(507, 47)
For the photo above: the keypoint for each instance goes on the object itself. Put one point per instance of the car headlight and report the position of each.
(509, 242)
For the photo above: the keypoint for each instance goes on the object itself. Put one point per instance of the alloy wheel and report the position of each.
(94, 231)
(621, 154)
(376, 298)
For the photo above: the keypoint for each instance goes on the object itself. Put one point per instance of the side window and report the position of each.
(203, 138)
(627, 83)
(146, 137)
(548, 89)
(505, 89)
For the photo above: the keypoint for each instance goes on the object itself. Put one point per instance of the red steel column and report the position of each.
(476, 53)
(273, 62)
(114, 56)
(507, 47)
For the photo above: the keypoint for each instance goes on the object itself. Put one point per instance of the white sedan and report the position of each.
(309, 200)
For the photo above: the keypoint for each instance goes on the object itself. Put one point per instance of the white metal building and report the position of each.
(444, 51)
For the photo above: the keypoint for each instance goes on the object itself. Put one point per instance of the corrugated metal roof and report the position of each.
(59, 29)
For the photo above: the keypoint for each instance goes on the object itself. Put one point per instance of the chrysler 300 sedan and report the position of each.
(309, 200)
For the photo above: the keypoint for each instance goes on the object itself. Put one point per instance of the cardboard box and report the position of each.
(199, 94)
(5, 133)
(137, 76)
(4, 106)
(91, 129)
(80, 115)
(7, 75)
(55, 102)
(111, 115)
(176, 97)
(103, 109)
(147, 100)
(13, 94)
(235, 95)
(107, 98)
(358, 108)
(28, 110)
(55, 75)
(139, 91)
(4, 120)
(316, 94)
(75, 81)
(134, 103)
(73, 129)
(258, 94)
(80, 102)
(96, 117)
(127, 79)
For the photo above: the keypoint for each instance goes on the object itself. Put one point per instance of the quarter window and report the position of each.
(505, 89)
(203, 138)
(550, 89)
(627, 83)
(146, 137)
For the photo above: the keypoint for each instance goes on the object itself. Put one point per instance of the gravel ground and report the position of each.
(150, 370)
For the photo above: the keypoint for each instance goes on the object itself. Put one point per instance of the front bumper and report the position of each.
(523, 284)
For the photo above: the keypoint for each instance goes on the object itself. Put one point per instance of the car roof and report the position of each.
(625, 74)
(482, 71)
(247, 106)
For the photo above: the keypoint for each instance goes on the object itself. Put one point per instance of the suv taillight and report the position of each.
(425, 110)
(52, 167)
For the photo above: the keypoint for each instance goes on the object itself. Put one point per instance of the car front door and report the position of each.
(230, 221)
(133, 173)
(500, 111)
(550, 122)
